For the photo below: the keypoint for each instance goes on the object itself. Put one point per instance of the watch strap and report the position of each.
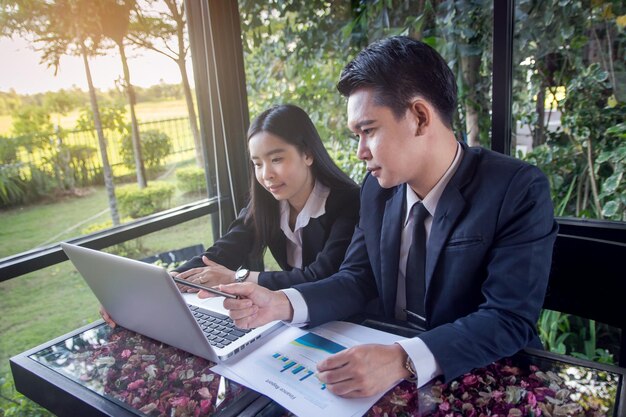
(409, 366)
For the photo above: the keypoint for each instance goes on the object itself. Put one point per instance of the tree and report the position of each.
(157, 30)
(114, 19)
(294, 52)
(465, 27)
(61, 28)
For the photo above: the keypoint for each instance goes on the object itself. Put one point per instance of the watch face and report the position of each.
(241, 274)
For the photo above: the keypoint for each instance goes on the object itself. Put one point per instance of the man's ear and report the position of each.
(421, 112)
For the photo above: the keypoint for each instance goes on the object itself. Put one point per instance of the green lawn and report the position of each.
(27, 227)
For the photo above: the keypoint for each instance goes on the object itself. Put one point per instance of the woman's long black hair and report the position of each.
(293, 125)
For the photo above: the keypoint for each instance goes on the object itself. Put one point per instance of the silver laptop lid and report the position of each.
(143, 298)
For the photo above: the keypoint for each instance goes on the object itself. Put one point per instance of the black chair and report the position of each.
(588, 279)
(177, 255)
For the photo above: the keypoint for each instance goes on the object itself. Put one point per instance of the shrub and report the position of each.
(8, 150)
(191, 180)
(155, 146)
(12, 186)
(82, 163)
(135, 202)
(133, 249)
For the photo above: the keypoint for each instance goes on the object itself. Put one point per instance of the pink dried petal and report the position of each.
(136, 384)
(470, 380)
(205, 393)
(205, 407)
(179, 401)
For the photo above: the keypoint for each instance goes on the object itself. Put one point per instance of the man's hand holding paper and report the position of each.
(363, 370)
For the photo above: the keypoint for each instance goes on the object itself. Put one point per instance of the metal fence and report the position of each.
(84, 149)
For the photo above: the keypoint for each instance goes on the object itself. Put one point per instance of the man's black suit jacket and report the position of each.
(488, 261)
(324, 243)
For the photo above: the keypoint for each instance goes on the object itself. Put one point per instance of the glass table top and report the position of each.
(145, 376)
(525, 385)
(150, 378)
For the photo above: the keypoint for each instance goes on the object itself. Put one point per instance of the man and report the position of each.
(484, 220)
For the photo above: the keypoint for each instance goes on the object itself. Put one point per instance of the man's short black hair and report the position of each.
(398, 69)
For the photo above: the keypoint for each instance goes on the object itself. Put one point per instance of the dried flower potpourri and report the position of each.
(140, 373)
(154, 379)
(504, 390)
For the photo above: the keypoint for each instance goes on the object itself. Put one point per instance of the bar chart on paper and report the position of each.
(295, 365)
(308, 344)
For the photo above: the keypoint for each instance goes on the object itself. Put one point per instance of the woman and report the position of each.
(302, 207)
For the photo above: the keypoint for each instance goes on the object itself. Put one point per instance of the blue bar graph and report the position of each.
(308, 374)
(289, 365)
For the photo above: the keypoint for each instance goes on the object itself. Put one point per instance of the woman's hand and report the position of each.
(211, 275)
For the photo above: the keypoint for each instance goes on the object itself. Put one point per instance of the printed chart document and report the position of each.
(284, 368)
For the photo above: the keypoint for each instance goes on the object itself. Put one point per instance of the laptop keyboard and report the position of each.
(219, 330)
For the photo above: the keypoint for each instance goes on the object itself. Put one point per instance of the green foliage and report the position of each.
(585, 160)
(571, 335)
(19, 186)
(66, 100)
(133, 249)
(159, 92)
(12, 403)
(136, 202)
(81, 159)
(587, 344)
(346, 159)
(12, 186)
(112, 116)
(9, 102)
(294, 52)
(558, 161)
(34, 127)
(462, 34)
(554, 330)
(155, 147)
(191, 180)
(61, 102)
(8, 151)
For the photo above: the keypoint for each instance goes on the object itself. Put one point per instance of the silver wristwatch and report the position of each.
(241, 274)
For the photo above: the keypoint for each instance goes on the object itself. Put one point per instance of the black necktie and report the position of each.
(415, 279)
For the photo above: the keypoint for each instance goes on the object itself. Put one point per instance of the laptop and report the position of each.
(144, 298)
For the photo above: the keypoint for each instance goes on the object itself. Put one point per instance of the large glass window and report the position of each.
(569, 102)
(294, 52)
(98, 128)
(569, 107)
(98, 125)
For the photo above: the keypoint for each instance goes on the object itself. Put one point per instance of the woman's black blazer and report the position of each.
(324, 243)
